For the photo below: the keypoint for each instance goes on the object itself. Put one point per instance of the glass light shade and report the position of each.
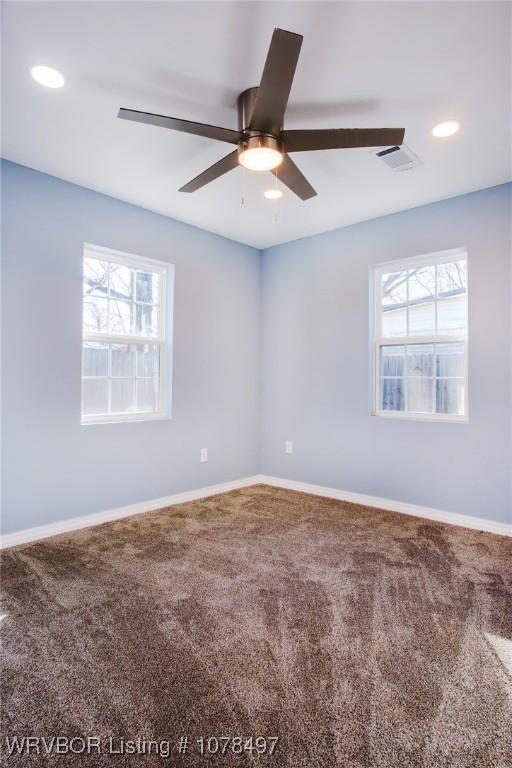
(261, 158)
(260, 152)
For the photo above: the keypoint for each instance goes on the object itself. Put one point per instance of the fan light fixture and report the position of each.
(47, 76)
(260, 159)
(443, 130)
(273, 194)
(262, 143)
(260, 153)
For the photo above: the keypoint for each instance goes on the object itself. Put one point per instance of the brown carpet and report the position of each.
(357, 637)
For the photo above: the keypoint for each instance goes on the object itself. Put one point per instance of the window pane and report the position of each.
(147, 287)
(95, 315)
(451, 279)
(121, 282)
(392, 394)
(94, 396)
(451, 314)
(95, 277)
(148, 360)
(421, 319)
(123, 360)
(422, 283)
(122, 395)
(450, 396)
(420, 360)
(394, 303)
(120, 317)
(451, 294)
(147, 394)
(422, 286)
(94, 359)
(392, 361)
(420, 395)
(450, 360)
(146, 320)
(394, 288)
(394, 322)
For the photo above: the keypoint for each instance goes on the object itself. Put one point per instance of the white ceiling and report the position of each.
(362, 65)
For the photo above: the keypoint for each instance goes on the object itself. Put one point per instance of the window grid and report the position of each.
(118, 299)
(437, 339)
(135, 377)
(133, 343)
(406, 376)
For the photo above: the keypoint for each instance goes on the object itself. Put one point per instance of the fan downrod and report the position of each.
(245, 104)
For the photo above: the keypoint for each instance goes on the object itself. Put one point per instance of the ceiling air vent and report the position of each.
(399, 158)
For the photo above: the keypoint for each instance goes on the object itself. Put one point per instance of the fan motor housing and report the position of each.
(253, 139)
(257, 140)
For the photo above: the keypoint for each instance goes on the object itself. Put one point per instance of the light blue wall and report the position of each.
(53, 467)
(316, 363)
(267, 347)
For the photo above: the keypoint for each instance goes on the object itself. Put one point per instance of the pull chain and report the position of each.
(244, 185)
(276, 217)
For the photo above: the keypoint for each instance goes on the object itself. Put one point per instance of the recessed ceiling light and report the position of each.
(273, 194)
(47, 76)
(443, 130)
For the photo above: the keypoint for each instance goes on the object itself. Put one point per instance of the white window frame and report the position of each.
(165, 272)
(430, 259)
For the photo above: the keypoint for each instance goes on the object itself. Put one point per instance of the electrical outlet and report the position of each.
(204, 454)
(288, 447)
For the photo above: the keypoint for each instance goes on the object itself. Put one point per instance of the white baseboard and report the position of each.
(440, 516)
(86, 521)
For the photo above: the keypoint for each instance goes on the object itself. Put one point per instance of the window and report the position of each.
(126, 332)
(421, 337)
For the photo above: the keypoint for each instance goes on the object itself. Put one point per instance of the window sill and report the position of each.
(437, 417)
(88, 421)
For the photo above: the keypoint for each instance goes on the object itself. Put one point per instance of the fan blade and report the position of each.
(294, 179)
(213, 172)
(341, 138)
(276, 82)
(185, 126)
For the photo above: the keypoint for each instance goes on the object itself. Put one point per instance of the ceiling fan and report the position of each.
(262, 143)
